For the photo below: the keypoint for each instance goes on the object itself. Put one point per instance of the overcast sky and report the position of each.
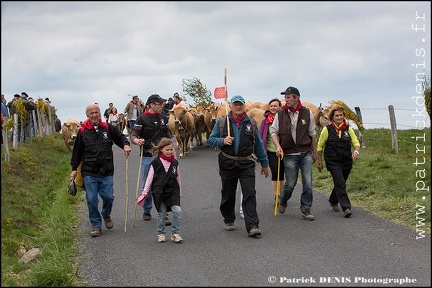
(367, 54)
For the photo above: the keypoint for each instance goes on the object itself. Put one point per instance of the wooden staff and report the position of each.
(139, 176)
(277, 185)
(127, 193)
(226, 102)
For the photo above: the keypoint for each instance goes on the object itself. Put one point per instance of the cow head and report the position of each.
(70, 131)
(323, 116)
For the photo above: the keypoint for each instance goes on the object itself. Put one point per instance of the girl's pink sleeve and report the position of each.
(149, 180)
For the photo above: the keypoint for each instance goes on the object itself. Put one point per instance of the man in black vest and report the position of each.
(239, 145)
(149, 128)
(93, 150)
(294, 135)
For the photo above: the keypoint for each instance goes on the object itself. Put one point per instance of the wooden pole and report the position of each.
(127, 193)
(359, 116)
(393, 129)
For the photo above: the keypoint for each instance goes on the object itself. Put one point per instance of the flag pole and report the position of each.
(226, 102)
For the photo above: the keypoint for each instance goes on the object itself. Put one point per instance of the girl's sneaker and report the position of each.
(161, 238)
(176, 238)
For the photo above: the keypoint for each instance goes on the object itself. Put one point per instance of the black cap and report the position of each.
(17, 95)
(291, 90)
(155, 98)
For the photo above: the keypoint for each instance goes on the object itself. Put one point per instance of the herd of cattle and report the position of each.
(188, 124)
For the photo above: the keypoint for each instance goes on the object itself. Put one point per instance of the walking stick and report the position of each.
(127, 193)
(278, 185)
(136, 192)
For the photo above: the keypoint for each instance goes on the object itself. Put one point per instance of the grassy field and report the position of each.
(38, 213)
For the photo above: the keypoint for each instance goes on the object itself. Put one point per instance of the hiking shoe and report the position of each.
(147, 217)
(161, 238)
(254, 232)
(96, 231)
(167, 221)
(176, 238)
(108, 222)
(335, 208)
(306, 213)
(282, 208)
(347, 213)
(229, 226)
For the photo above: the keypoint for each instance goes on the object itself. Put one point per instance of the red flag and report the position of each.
(219, 92)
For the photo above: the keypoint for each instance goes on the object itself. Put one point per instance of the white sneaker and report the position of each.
(161, 238)
(176, 238)
(242, 214)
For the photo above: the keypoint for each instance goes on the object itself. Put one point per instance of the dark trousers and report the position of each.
(339, 194)
(229, 178)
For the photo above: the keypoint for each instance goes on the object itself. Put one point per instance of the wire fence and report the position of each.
(405, 118)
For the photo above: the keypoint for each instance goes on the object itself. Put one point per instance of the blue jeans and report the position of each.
(292, 164)
(145, 168)
(95, 186)
(176, 218)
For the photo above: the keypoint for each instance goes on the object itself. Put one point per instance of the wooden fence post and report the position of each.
(393, 129)
(359, 116)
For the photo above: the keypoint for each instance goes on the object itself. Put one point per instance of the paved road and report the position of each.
(364, 250)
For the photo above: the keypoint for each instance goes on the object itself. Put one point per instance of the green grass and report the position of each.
(38, 213)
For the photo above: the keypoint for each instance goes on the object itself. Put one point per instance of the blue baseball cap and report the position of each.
(237, 98)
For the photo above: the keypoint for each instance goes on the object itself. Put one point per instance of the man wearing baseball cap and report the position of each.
(293, 133)
(149, 128)
(239, 144)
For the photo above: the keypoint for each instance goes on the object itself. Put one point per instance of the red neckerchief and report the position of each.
(343, 126)
(147, 112)
(169, 159)
(269, 119)
(88, 125)
(114, 113)
(293, 110)
(238, 121)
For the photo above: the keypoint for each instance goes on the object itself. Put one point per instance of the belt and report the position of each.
(249, 157)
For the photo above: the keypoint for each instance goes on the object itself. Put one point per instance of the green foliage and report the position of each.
(199, 93)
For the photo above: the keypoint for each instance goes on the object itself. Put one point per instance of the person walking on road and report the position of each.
(236, 162)
(274, 161)
(294, 135)
(336, 140)
(150, 127)
(93, 148)
(164, 180)
(132, 110)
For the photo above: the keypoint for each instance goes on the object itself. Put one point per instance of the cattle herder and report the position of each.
(236, 162)
(149, 128)
(93, 147)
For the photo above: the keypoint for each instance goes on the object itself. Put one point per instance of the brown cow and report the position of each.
(210, 116)
(70, 130)
(122, 122)
(181, 123)
(200, 126)
(258, 114)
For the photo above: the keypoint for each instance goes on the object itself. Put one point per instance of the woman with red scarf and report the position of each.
(336, 140)
(274, 106)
